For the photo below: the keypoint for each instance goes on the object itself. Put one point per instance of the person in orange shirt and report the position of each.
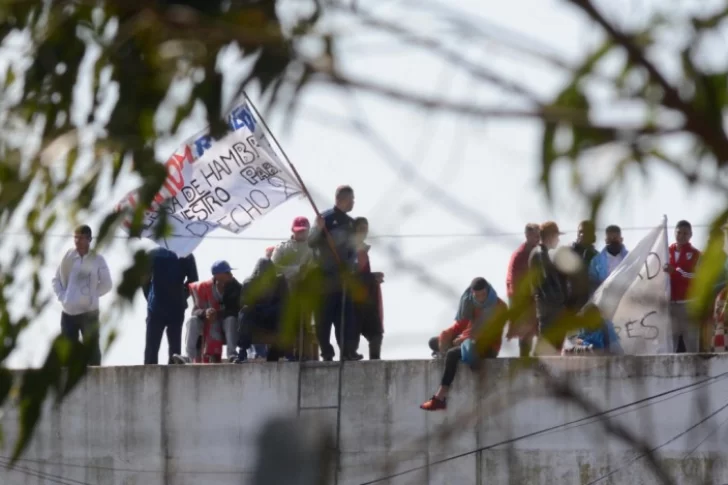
(683, 260)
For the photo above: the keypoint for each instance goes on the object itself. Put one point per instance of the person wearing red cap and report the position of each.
(294, 254)
(293, 259)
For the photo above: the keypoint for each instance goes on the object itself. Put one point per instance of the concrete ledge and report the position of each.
(151, 425)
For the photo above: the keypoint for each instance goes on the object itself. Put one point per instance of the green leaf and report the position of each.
(709, 272)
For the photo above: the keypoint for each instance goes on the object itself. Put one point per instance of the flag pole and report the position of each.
(332, 246)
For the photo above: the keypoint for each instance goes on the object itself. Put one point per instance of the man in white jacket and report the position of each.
(82, 277)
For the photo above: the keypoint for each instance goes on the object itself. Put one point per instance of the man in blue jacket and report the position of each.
(337, 267)
(608, 259)
(601, 266)
(166, 292)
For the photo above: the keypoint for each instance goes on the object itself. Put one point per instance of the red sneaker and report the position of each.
(434, 404)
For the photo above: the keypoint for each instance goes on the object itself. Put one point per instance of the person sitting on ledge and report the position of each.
(479, 308)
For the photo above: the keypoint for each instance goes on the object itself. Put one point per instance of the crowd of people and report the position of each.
(554, 302)
(321, 278)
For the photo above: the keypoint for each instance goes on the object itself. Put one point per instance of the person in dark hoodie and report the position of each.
(368, 308)
(550, 287)
(478, 311)
(262, 297)
(337, 267)
(166, 291)
(579, 284)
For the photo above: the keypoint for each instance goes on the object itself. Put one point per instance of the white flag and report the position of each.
(636, 297)
(227, 183)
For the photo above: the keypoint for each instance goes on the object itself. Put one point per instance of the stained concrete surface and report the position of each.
(186, 425)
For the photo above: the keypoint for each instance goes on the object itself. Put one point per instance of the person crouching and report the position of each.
(479, 307)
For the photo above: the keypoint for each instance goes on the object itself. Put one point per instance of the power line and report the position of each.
(43, 475)
(677, 436)
(372, 236)
(554, 428)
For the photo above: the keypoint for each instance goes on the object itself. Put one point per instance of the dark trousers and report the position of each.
(262, 318)
(375, 345)
(452, 358)
(524, 346)
(85, 325)
(335, 305)
(156, 325)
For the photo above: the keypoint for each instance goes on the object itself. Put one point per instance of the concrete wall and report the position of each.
(187, 425)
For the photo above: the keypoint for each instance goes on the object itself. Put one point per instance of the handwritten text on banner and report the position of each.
(227, 183)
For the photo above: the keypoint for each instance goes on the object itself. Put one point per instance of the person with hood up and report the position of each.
(479, 308)
(262, 297)
(608, 259)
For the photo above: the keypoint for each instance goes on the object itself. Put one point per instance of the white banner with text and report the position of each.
(227, 183)
(636, 297)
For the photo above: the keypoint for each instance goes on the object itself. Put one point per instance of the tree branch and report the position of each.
(695, 122)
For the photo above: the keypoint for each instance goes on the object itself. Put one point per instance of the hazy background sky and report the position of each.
(446, 196)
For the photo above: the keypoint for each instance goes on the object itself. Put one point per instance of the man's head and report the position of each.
(345, 198)
(221, 271)
(479, 289)
(82, 239)
(613, 235)
(586, 233)
(361, 229)
(300, 228)
(269, 252)
(549, 233)
(683, 232)
(532, 234)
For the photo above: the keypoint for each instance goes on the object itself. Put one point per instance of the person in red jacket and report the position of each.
(480, 309)
(683, 261)
(527, 327)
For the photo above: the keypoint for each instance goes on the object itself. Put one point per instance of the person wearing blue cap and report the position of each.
(217, 303)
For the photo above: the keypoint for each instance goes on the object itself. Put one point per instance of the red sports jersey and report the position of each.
(684, 261)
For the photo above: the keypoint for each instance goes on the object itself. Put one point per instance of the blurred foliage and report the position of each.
(145, 46)
(664, 111)
(141, 48)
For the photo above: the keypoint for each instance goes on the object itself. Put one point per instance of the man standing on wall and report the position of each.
(684, 259)
(550, 287)
(579, 290)
(166, 293)
(527, 326)
(337, 266)
(81, 279)
(608, 259)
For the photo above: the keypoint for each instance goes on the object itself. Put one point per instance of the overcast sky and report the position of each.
(446, 196)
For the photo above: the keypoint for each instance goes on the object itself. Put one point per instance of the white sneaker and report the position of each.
(180, 359)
